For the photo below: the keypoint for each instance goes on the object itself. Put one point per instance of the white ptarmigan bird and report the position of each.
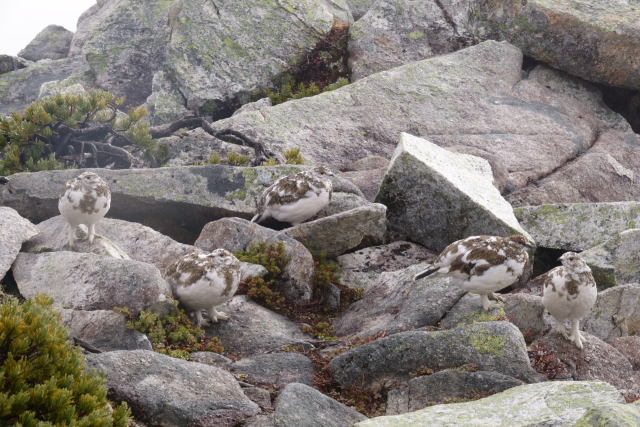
(569, 295)
(204, 281)
(296, 198)
(483, 264)
(86, 199)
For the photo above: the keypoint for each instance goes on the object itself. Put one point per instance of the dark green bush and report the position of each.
(42, 377)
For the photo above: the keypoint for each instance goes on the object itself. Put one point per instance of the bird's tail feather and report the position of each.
(425, 273)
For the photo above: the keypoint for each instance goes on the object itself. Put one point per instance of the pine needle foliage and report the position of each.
(42, 377)
(172, 334)
(292, 156)
(272, 257)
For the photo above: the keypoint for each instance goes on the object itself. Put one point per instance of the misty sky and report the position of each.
(21, 20)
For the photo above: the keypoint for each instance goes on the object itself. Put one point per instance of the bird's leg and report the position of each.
(91, 233)
(214, 315)
(484, 300)
(72, 236)
(576, 336)
(199, 320)
(496, 297)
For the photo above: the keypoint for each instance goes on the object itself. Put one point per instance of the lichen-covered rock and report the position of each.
(396, 32)
(165, 104)
(176, 201)
(523, 310)
(630, 347)
(236, 234)
(577, 226)
(211, 358)
(275, 369)
(556, 403)
(537, 127)
(301, 405)
(69, 86)
(596, 361)
(163, 390)
(89, 282)
(587, 38)
(448, 386)
(361, 269)
(367, 173)
(11, 63)
(616, 313)
(492, 346)
(51, 43)
(105, 330)
(21, 87)
(395, 302)
(434, 196)
(253, 329)
(336, 234)
(359, 7)
(14, 231)
(611, 415)
(617, 261)
(254, 106)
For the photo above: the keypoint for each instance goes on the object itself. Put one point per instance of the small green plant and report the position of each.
(42, 378)
(270, 162)
(172, 334)
(235, 159)
(292, 156)
(214, 158)
(272, 257)
(327, 273)
(290, 89)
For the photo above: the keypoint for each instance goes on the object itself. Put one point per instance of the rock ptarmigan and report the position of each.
(204, 281)
(483, 264)
(569, 295)
(86, 199)
(296, 198)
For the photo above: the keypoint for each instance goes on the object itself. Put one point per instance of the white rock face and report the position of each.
(14, 230)
(554, 403)
(435, 196)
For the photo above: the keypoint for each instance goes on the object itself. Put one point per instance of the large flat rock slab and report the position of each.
(559, 403)
(435, 197)
(617, 261)
(598, 41)
(176, 201)
(577, 226)
(531, 127)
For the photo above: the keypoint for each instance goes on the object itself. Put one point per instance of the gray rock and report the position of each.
(596, 361)
(611, 415)
(14, 231)
(395, 302)
(88, 21)
(51, 43)
(243, 46)
(630, 347)
(362, 268)
(532, 127)
(259, 396)
(275, 369)
(368, 181)
(359, 7)
(20, 88)
(176, 201)
(211, 358)
(396, 32)
(523, 310)
(89, 282)
(105, 330)
(617, 261)
(554, 403)
(165, 104)
(492, 346)
(70, 86)
(162, 390)
(196, 146)
(616, 313)
(301, 405)
(254, 106)
(452, 385)
(236, 234)
(435, 197)
(577, 226)
(253, 329)
(589, 39)
(261, 421)
(336, 234)
(11, 63)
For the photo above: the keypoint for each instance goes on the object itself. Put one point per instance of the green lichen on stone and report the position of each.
(611, 415)
(474, 316)
(415, 35)
(488, 343)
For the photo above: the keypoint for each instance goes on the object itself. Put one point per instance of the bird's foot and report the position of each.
(216, 315)
(487, 305)
(577, 340)
(200, 320)
(496, 297)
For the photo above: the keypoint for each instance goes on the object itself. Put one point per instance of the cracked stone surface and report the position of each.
(548, 136)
